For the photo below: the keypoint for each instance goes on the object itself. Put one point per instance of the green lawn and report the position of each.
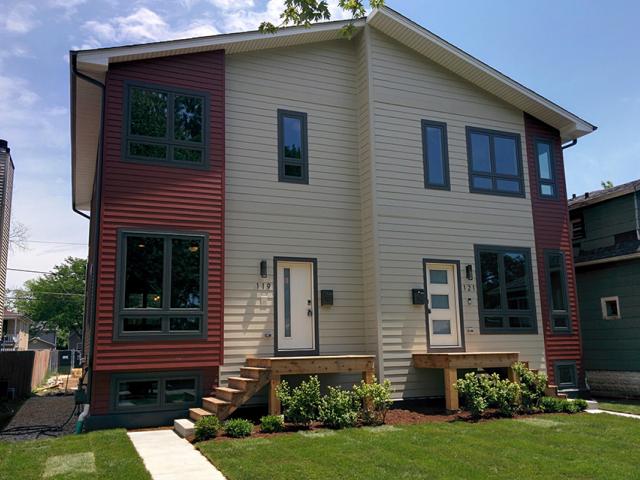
(581, 446)
(100, 455)
(624, 406)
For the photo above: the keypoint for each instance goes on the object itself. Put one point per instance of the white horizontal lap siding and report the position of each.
(415, 223)
(267, 218)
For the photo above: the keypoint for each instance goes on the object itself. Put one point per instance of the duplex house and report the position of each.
(606, 242)
(385, 202)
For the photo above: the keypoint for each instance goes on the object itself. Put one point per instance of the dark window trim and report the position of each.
(565, 290)
(161, 378)
(552, 169)
(304, 161)
(295, 353)
(127, 137)
(165, 312)
(442, 126)
(493, 175)
(462, 347)
(574, 374)
(504, 312)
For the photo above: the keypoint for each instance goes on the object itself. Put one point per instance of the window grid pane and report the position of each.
(495, 163)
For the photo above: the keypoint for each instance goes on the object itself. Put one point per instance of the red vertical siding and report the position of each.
(552, 231)
(137, 195)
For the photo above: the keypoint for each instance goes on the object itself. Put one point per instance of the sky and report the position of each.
(581, 54)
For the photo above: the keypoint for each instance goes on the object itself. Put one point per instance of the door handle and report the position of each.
(309, 313)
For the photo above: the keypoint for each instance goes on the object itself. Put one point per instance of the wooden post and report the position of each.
(512, 375)
(450, 391)
(274, 403)
(369, 373)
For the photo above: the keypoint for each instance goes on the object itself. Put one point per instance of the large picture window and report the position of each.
(293, 161)
(162, 289)
(495, 162)
(165, 126)
(505, 290)
(557, 286)
(155, 391)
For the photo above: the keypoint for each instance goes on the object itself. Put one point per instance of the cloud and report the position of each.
(143, 25)
(15, 91)
(20, 19)
(14, 51)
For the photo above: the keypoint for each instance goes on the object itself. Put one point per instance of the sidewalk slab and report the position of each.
(619, 414)
(169, 457)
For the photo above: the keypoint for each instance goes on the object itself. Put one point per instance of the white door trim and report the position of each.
(455, 304)
(315, 350)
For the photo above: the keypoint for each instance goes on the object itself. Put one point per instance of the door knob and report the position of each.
(309, 313)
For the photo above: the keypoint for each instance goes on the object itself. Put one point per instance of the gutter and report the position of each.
(94, 234)
(571, 143)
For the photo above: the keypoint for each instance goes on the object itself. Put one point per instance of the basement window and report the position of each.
(566, 374)
(293, 157)
(610, 308)
(162, 286)
(166, 126)
(155, 391)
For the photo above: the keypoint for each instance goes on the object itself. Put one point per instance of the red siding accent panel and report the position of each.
(552, 231)
(136, 195)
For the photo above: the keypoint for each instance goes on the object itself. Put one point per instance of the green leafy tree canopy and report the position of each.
(55, 301)
(306, 12)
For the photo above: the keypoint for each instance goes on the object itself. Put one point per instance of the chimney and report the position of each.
(574, 197)
(4, 146)
(586, 194)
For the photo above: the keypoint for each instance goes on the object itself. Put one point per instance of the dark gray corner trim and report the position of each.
(462, 347)
(160, 377)
(547, 272)
(168, 141)
(295, 353)
(166, 311)
(304, 161)
(493, 175)
(504, 312)
(552, 168)
(557, 364)
(442, 126)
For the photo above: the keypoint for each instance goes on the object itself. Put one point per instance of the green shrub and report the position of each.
(474, 390)
(489, 391)
(238, 427)
(207, 427)
(532, 386)
(301, 404)
(505, 395)
(374, 400)
(339, 409)
(580, 404)
(551, 404)
(272, 424)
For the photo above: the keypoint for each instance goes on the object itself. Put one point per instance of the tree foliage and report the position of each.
(55, 301)
(606, 184)
(306, 12)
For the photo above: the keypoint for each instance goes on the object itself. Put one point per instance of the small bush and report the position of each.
(489, 391)
(271, 424)
(474, 390)
(301, 404)
(532, 386)
(505, 395)
(551, 404)
(207, 428)
(238, 427)
(374, 400)
(580, 404)
(339, 409)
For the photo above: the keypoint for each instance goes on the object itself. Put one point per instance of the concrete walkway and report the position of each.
(169, 457)
(619, 414)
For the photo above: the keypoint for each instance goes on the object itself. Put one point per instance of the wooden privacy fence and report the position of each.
(21, 372)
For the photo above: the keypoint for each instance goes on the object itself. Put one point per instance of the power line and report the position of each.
(27, 271)
(56, 243)
(64, 294)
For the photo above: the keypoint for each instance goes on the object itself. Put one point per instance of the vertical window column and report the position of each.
(557, 286)
(436, 155)
(293, 161)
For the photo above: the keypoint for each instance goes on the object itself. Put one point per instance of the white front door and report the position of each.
(442, 307)
(296, 307)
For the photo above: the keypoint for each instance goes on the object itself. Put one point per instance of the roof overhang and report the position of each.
(86, 94)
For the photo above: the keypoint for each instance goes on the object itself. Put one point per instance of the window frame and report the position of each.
(574, 373)
(165, 312)
(168, 140)
(565, 290)
(505, 312)
(603, 306)
(161, 378)
(493, 176)
(304, 160)
(552, 169)
(442, 126)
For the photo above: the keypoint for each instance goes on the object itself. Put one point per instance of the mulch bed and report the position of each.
(49, 411)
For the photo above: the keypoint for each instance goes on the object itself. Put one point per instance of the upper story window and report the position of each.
(557, 286)
(545, 168)
(162, 289)
(577, 228)
(436, 155)
(165, 126)
(505, 290)
(293, 161)
(610, 308)
(495, 162)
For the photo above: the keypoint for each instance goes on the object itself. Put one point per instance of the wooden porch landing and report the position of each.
(451, 362)
(279, 366)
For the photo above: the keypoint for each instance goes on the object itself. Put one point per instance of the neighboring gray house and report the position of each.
(43, 341)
